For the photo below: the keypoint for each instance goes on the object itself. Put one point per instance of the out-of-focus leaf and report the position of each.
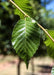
(52, 71)
(50, 44)
(25, 6)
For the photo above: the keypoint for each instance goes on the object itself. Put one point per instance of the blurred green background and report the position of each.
(8, 19)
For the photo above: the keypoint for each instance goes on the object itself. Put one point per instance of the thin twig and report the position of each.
(19, 8)
(29, 16)
(45, 31)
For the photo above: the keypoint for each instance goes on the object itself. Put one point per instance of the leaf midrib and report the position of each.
(25, 35)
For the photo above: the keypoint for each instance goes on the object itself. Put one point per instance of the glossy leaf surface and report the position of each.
(26, 38)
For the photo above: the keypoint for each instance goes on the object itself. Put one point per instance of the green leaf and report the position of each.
(25, 6)
(26, 38)
(50, 44)
(52, 71)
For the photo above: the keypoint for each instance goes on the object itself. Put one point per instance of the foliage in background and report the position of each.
(48, 17)
(8, 19)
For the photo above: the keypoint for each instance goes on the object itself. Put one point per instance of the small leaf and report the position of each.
(50, 44)
(25, 38)
(25, 6)
(52, 71)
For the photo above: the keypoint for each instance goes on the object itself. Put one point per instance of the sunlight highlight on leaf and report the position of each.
(26, 38)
